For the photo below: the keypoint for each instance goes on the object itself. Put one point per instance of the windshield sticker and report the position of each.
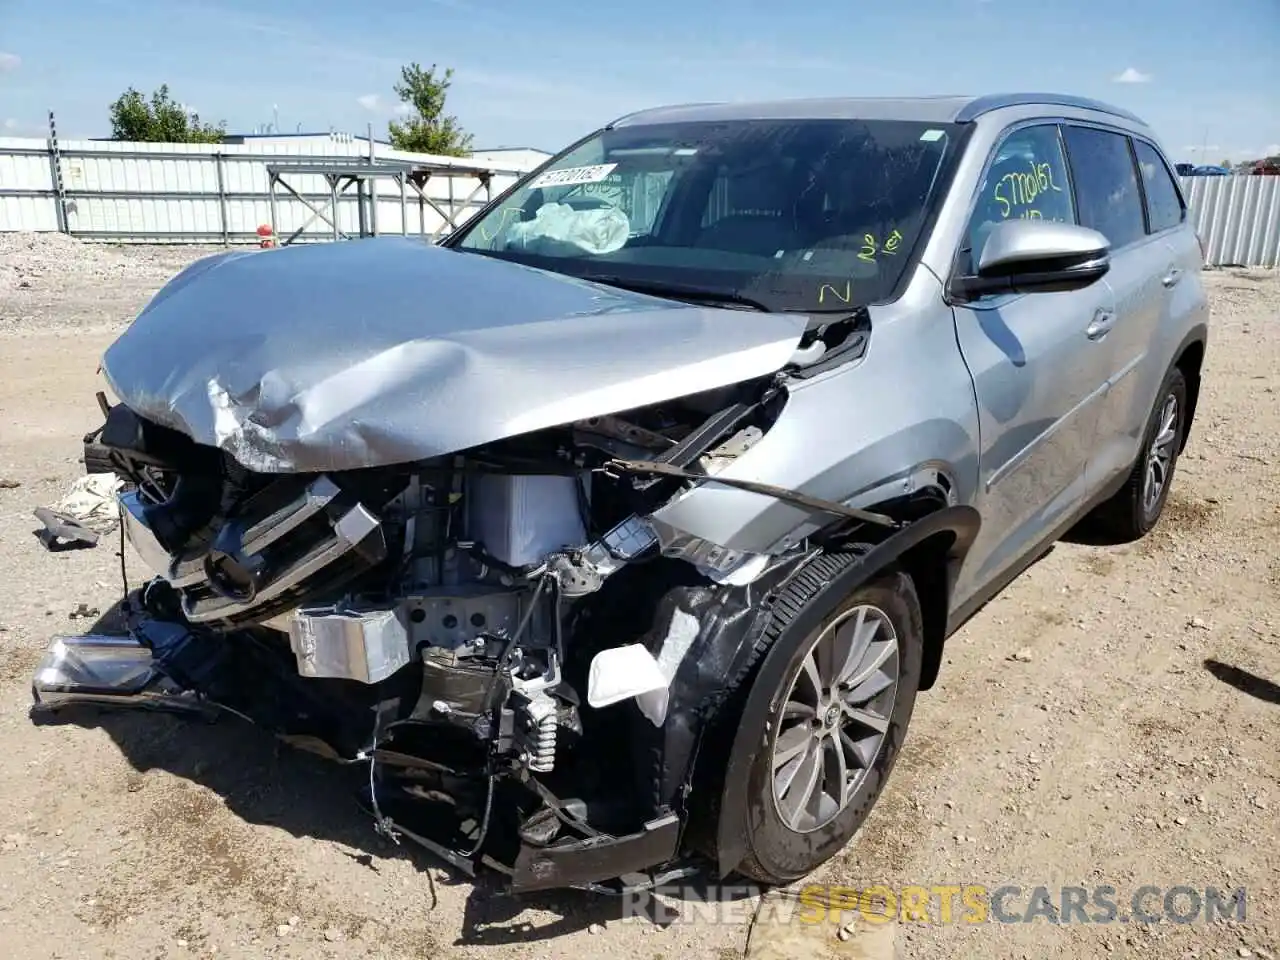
(571, 176)
(932, 136)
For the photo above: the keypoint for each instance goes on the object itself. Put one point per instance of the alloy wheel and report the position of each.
(835, 717)
(1160, 455)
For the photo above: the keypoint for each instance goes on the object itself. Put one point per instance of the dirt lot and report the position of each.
(1113, 719)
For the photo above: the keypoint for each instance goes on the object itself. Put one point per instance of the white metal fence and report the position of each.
(1237, 218)
(200, 193)
(197, 193)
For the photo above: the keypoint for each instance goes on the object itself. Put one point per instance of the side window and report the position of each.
(1164, 202)
(1106, 184)
(1027, 180)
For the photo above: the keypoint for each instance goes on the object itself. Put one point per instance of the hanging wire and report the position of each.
(383, 825)
(124, 576)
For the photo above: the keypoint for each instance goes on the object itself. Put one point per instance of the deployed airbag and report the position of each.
(597, 231)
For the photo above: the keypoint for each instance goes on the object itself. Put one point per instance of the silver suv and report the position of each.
(614, 538)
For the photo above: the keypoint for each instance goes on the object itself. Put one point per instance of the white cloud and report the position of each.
(9, 62)
(1271, 150)
(403, 109)
(11, 124)
(370, 101)
(1132, 75)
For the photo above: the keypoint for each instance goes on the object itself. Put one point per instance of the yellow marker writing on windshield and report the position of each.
(845, 297)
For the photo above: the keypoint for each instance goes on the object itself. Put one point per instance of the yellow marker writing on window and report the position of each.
(1045, 173)
(1023, 189)
(868, 251)
(1001, 199)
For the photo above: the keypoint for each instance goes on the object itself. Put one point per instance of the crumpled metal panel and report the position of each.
(388, 350)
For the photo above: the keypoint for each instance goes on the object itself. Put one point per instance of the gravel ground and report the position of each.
(1110, 719)
(52, 281)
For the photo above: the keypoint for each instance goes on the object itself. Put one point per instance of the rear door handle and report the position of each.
(1103, 321)
(1172, 277)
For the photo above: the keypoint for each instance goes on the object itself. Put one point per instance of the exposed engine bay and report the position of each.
(455, 623)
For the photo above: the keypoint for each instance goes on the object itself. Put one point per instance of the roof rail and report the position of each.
(996, 101)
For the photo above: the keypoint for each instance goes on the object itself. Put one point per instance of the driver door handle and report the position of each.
(1103, 321)
(1172, 277)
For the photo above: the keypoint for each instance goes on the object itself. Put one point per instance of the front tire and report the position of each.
(836, 723)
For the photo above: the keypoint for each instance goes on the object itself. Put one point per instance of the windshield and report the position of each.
(795, 215)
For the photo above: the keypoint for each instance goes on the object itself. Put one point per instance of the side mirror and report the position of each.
(1036, 256)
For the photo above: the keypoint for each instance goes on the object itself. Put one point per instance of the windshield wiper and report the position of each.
(676, 291)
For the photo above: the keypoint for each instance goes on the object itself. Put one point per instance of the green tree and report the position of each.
(159, 120)
(427, 129)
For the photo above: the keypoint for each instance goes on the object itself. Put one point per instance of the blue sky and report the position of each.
(542, 73)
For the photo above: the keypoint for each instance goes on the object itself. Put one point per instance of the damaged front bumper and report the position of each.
(150, 669)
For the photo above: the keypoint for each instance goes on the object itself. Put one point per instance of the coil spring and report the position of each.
(541, 756)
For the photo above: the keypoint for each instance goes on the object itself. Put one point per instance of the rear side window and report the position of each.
(1106, 184)
(1164, 203)
(1027, 180)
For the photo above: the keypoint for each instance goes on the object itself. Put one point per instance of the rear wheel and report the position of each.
(836, 722)
(1133, 512)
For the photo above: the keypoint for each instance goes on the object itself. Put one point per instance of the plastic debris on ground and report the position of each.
(86, 513)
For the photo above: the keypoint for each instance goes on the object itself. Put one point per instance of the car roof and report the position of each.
(933, 109)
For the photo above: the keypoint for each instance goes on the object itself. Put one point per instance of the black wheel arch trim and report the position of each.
(1196, 336)
(956, 526)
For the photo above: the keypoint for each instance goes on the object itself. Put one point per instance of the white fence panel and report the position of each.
(1237, 218)
(169, 192)
(26, 178)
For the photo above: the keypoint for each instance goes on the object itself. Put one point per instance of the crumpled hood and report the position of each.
(369, 352)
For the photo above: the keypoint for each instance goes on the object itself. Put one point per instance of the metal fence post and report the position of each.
(404, 204)
(453, 207)
(271, 193)
(55, 170)
(373, 186)
(222, 199)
